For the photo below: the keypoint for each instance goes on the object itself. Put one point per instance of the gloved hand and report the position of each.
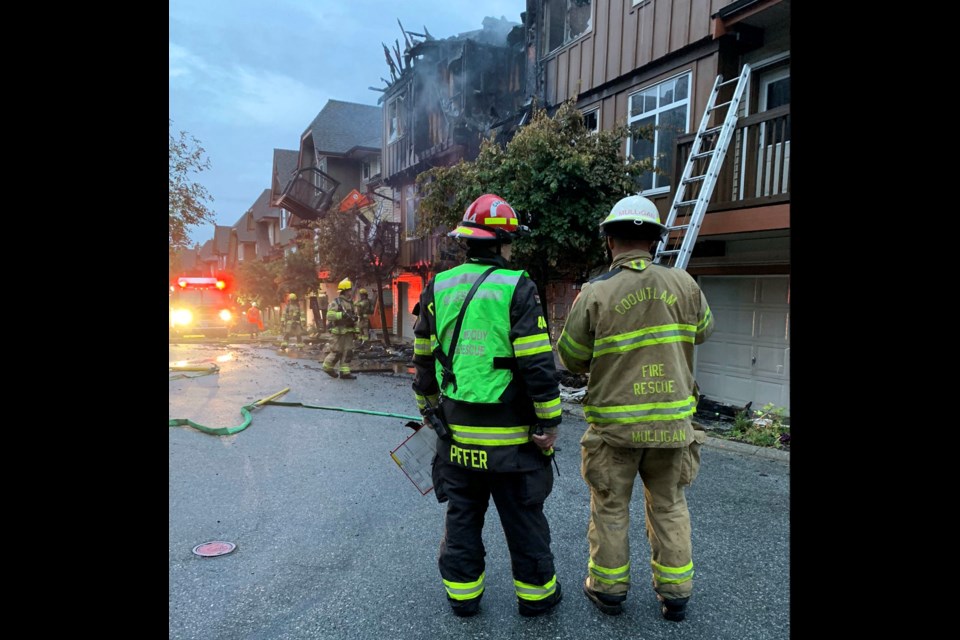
(545, 438)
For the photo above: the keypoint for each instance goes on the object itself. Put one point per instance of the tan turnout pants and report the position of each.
(610, 473)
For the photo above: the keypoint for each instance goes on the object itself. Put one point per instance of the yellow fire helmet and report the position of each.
(362, 292)
(345, 285)
(293, 296)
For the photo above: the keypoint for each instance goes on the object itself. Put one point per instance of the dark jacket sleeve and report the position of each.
(534, 353)
(425, 386)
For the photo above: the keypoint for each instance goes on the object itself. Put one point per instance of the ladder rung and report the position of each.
(712, 130)
(721, 105)
(694, 179)
(686, 203)
(702, 154)
(668, 252)
(680, 227)
(731, 81)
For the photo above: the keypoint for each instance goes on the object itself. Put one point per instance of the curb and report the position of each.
(747, 449)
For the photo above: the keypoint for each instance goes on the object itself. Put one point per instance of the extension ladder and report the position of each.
(709, 148)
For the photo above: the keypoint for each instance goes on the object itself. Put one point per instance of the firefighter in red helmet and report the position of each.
(494, 401)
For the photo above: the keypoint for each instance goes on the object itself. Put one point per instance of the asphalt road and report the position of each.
(334, 542)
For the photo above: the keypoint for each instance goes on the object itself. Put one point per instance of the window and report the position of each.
(591, 120)
(665, 107)
(371, 167)
(410, 202)
(284, 218)
(394, 113)
(564, 21)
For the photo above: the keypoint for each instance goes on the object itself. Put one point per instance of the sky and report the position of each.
(248, 76)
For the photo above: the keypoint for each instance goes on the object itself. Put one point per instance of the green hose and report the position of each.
(247, 417)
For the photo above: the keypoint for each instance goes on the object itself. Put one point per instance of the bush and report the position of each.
(764, 429)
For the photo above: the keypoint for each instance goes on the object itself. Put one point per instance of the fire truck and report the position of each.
(201, 306)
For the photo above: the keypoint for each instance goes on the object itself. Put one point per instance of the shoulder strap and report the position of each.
(446, 362)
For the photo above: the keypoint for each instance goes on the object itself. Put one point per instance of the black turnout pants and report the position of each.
(519, 498)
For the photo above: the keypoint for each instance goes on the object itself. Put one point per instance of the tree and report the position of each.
(256, 281)
(363, 246)
(380, 246)
(299, 273)
(187, 199)
(559, 176)
(339, 241)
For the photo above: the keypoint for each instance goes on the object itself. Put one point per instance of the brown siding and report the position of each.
(598, 47)
(704, 75)
(563, 78)
(614, 38)
(552, 82)
(628, 57)
(624, 38)
(679, 25)
(576, 82)
(645, 35)
(662, 10)
(745, 220)
(699, 20)
(586, 65)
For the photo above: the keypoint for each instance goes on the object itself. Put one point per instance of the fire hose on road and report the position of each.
(245, 411)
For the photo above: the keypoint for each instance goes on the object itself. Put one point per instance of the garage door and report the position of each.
(747, 359)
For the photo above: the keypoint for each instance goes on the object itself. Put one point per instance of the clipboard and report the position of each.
(415, 455)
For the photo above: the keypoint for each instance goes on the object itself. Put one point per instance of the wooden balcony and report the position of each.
(416, 251)
(309, 195)
(756, 168)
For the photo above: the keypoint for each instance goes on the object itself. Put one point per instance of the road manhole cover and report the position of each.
(215, 548)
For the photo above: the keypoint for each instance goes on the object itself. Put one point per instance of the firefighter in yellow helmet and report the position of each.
(633, 329)
(291, 322)
(364, 310)
(343, 325)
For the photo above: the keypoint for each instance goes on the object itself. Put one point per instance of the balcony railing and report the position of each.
(756, 168)
(309, 195)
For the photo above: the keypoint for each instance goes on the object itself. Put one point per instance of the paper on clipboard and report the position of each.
(414, 456)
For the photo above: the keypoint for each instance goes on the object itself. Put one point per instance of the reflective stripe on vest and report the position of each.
(644, 337)
(648, 412)
(490, 436)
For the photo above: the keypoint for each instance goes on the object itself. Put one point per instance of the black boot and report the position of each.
(674, 610)
(528, 610)
(465, 608)
(329, 372)
(610, 605)
(347, 376)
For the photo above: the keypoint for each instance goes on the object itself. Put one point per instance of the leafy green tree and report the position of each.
(256, 281)
(339, 240)
(187, 199)
(363, 247)
(299, 273)
(380, 246)
(559, 176)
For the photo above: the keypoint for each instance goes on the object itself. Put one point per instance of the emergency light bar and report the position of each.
(201, 283)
